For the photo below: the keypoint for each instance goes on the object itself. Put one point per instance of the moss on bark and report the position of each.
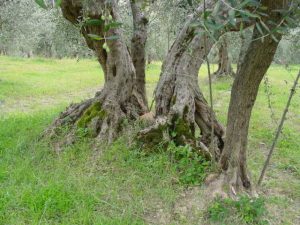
(95, 110)
(182, 132)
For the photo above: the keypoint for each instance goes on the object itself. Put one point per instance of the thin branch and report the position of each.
(293, 90)
(210, 84)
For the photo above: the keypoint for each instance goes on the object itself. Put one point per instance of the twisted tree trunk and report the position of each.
(102, 116)
(180, 105)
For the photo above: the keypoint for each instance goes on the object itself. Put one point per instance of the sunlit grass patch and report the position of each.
(121, 184)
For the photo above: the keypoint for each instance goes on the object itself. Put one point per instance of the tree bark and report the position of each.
(224, 63)
(255, 64)
(102, 116)
(74, 11)
(138, 45)
(179, 101)
(244, 91)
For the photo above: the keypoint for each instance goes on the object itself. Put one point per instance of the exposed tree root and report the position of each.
(100, 117)
(229, 184)
(178, 127)
(180, 106)
(188, 111)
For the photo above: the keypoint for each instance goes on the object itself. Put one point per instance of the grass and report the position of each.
(246, 210)
(118, 184)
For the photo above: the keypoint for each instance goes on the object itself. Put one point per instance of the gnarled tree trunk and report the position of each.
(119, 99)
(224, 63)
(180, 105)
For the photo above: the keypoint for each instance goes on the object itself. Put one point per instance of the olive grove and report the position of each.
(180, 107)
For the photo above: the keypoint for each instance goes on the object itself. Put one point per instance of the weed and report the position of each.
(218, 211)
(191, 166)
(248, 210)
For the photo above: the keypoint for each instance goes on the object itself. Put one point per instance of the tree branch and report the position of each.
(293, 90)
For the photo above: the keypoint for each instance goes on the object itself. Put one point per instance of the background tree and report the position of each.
(289, 48)
(24, 24)
(28, 30)
(224, 62)
(164, 26)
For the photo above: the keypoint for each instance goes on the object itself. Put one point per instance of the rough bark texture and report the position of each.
(224, 63)
(244, 91)
(255, 64)
(179, 101)
(119, 99)
(138, 44)
(73, 10)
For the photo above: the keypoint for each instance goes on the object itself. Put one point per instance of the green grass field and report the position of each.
(119, 184)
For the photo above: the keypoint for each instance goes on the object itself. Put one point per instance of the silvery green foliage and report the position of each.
(288, 51)
(28, 30)
(166, 19)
